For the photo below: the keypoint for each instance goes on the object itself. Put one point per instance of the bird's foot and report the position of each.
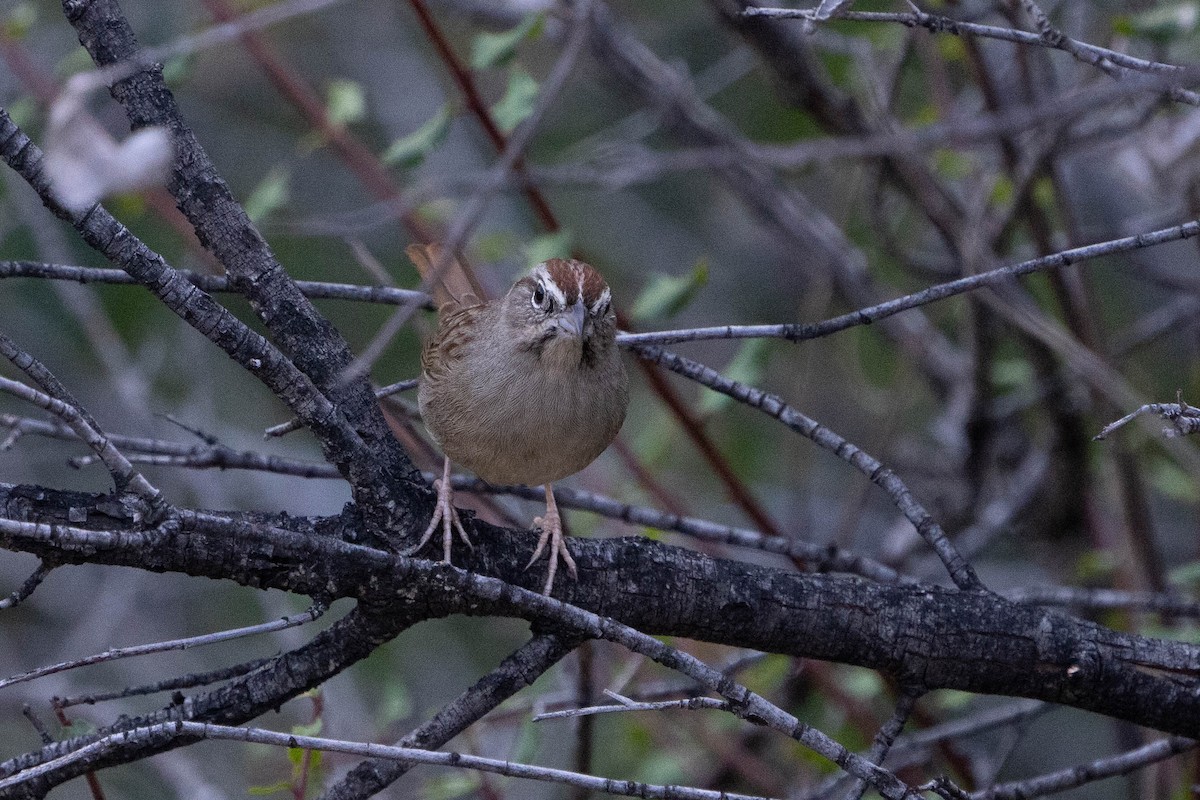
(446, 514)
(552, 534)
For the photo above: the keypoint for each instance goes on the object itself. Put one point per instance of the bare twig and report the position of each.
(1184, 419)
(28, 587)
(284, 428)
(1164, 603)
(864, 316)
(624, 704)
(1083, 774)
(160, 451)
(1092, 54)
(887, 736)
(960, 571)
(170, 684)
(174, 644)
(124, 475)
(521, 668)
(215, 284)
(207, 730)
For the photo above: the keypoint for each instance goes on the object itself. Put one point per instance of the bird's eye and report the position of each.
(540, 300)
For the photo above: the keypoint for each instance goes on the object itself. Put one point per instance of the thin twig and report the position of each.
(284, 428)
(216, 284)
(1164, 603)
(625, 704)
(314, 612)
(1083, 774)
(170, 684)
(27, 588)
(960, 571)
(206, 730)
(124, 475)
(797, 332)
(887, 736)
(1185, 419)
(1088, 53)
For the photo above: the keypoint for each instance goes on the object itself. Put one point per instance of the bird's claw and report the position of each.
(445, 513)
(552, 533)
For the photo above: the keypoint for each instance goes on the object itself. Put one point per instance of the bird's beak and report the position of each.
(571, 320)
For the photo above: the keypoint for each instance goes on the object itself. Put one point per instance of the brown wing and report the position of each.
(447, 345)
(453, 284)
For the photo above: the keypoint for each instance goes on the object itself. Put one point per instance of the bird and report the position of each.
(528, 388)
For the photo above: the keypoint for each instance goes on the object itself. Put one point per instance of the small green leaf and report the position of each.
(667, 295)
(23, 111)
(861, 683)
(875, 357)
(1165, 23)
(274, 788)
(1185, 575)
(308, 729)
(409, 151)
(550, 245)
(497, 49)
(270, 195)
(345, 102)
(78, 727)
(397, 702)
(1094, 566)
(18, 22)
(1012, 373)
(517, 103)
(177, 70)
(448, 787)
(953, 700)
(746, 367)
(1002, 192)
(1172, 481)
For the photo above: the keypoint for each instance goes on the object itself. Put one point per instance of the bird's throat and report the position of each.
(562, 353)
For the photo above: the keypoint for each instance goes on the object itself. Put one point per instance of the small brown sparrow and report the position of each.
(525, 389)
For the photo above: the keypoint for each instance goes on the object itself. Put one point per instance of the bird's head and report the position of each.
(564, 310)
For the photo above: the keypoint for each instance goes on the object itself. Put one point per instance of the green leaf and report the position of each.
(23, 111)
(1185, 575)
(409, 151)
(497, 49)
(345, 102)
(517, 103)
(1095, 567)
(1172, 481)
(177, 70)
(20, 19)
(397, 702)
(864, 684)
(1012, 373)
(667, 295)
(1165, 23)
(448, 787)
(308, 729)
(269, 196)
(550, 245)
(273, 788)
(746, 367)
(953, 700)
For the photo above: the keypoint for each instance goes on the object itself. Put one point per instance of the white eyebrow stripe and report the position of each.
(604, 297)
(543, 277)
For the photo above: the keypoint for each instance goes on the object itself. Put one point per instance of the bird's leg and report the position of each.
(551, 525)
(445, 513)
